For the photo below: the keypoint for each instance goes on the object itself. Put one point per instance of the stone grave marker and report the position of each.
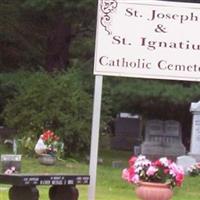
(152, 144)
(162, 138)
(173, 138)
(11, 160)
(127, 132)
(185, 161)
(195, 138)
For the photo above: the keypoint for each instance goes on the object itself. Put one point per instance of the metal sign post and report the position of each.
(95, 136)
(142, 39)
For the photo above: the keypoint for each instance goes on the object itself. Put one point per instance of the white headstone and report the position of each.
(185, 162)
(195, 138)
(195, 107)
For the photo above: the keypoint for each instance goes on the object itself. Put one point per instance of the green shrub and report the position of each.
(55, 101)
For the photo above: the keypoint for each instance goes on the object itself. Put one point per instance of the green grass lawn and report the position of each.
(109, 183)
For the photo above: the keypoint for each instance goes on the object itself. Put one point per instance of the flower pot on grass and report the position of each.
(47, 159)
(154, 179)
(153, 191)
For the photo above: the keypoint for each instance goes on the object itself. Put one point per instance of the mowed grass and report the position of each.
(109, 186)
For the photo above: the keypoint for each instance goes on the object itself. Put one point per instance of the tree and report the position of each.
(39, 33)
(59, 103)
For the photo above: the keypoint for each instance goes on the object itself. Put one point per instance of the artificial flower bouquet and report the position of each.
(10, 170)
(51, 140)
(194, 170)
(162, 170)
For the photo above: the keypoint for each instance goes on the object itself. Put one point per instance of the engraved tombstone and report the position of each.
(173, 139)
(162, 138)
(153, 138)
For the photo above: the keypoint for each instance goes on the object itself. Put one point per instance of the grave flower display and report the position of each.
(10, 170)
(158, 176)
(51, 140)
(194, 170)
(48, 148)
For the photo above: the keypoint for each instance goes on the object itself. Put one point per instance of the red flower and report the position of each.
(157, 163)
(49, 137)
(166, 171)
(132, 160)
(179, 179)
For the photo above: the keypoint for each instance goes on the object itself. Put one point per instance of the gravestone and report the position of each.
(162, 138)
(10, 160)
(152, 145)
(127, 132)
(185, 162)
(6, 133)
(195, 138)
(117, 164)
(173, 139)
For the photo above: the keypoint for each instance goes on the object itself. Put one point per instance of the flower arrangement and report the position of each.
(51, 140)
(194, 170)
(10, 170)
(162, 170)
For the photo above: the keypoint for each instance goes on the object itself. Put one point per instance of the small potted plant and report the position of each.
(154, 179)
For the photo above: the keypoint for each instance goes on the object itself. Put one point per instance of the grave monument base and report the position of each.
(195, 156)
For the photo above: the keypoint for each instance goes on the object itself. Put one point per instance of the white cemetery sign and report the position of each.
(142, 39)
(148, 39)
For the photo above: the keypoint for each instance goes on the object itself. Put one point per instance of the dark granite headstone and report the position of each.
(6, 133)
(10, 160)
(127, 133)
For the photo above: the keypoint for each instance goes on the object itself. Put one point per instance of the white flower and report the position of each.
(138, 169)
(164, 161)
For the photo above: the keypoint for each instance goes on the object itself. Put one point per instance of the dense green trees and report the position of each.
(59, 102)
(41, 33)
(47, 35)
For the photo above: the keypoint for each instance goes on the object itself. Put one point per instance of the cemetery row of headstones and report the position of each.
(161, 138)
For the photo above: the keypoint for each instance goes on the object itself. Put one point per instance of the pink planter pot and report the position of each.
(153, 191)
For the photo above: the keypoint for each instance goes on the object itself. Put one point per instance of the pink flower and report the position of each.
(13, 168)
(10, 170)
(179, 179)
(165, 162)
(162, 171)
(166, 171)
(174, 169)
(177, 172)
(157, 163)
(151, 171)
(128, 174)
(132, 160)
(125, 174)
(135, 178)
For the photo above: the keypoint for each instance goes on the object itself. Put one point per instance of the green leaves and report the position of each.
(59, 103)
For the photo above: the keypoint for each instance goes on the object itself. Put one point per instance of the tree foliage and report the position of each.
(56, 34)
(40, 33)
(59, 103)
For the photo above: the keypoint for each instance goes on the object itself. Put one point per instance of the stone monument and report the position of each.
(185, 162)
(163, 138)
(195, 137)
(11, 160)
(127, 132)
